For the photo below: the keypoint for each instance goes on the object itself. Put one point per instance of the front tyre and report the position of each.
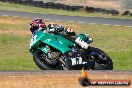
(102, 60)
(40, 59)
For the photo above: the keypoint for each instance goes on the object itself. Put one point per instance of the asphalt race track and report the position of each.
(57, 79)
(90, 20)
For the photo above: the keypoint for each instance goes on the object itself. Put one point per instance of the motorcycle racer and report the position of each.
(54, 47)
(38, 24)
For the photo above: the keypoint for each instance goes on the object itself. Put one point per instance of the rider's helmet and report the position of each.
(55, 27)
(51, 26)
(37, 24)
(70, 32)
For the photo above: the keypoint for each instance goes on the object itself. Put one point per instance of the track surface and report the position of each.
(57, 79)
(91, 20)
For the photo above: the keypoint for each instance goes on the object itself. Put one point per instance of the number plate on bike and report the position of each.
(76, 61)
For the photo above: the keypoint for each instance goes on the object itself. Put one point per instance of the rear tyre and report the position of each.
(40, 59)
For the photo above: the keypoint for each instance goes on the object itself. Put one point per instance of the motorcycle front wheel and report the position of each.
(40, 59)
(102, 60)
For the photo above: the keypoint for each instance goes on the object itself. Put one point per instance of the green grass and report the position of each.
(15, 23)
(14, 53)
(122, 59)
(26, 8)
(15, 26)
(116, 41)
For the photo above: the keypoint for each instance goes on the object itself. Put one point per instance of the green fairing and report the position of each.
(56, 41)
(82, 36)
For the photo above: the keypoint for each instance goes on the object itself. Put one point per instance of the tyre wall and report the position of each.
(88, 9)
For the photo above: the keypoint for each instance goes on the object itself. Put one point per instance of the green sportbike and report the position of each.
(54, 51)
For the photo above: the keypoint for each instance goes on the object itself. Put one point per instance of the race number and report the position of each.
(76, 61)
(81, 43)
(33, 40)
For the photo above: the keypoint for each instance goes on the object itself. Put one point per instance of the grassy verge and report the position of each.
(13, 23)
(26, 8)
(14, 55)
